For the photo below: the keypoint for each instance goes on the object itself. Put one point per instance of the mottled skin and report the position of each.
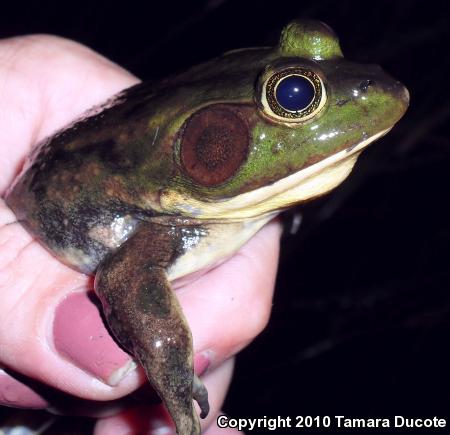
(177, 167)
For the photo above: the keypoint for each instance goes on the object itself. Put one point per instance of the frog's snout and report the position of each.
(378, 77)
(401, 96)
(394, 97)
(404, 95)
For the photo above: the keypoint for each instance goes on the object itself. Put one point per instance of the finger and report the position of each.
(228, 306)
(216, 430)
(16, 394)
(146, 420)
(33, 286)
(45, 82)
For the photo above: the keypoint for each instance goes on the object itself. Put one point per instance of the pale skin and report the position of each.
(45, 82)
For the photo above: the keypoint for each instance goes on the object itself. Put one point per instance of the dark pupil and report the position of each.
(294, 93)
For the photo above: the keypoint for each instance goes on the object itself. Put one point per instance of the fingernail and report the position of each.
(80, 336)
(202, 361)
(18, 395)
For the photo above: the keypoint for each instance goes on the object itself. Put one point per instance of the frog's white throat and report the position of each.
(310, 182)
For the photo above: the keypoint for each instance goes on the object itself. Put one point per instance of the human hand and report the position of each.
(50, 329)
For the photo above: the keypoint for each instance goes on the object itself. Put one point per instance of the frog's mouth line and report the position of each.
(308, 183)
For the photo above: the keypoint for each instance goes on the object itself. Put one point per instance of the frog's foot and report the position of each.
(200, 394)
(144, 314)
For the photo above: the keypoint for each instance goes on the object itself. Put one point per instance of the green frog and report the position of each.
(169, 178)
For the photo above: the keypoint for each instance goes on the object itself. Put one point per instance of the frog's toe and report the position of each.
(200, 394)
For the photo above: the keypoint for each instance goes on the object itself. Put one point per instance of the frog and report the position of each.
(171, 177)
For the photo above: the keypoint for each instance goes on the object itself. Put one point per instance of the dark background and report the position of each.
(361, 315)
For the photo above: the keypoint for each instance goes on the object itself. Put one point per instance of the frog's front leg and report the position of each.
(146, 318)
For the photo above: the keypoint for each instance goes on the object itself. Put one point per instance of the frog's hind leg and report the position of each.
(146, 318)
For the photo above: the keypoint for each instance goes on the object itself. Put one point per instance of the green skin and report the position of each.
(92, 193)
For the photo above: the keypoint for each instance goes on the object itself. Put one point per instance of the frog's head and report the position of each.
(258, 130)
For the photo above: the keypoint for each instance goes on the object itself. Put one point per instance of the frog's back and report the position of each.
(73, 195)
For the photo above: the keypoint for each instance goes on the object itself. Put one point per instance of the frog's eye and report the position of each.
(293, 95)
(214, 145)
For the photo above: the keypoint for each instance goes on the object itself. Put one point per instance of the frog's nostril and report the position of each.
(365, 85)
